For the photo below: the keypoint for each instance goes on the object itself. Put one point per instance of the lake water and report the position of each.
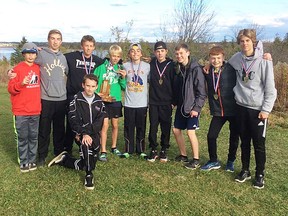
(4, 51)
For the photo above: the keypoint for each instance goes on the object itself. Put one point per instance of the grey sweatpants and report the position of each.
(26, 129)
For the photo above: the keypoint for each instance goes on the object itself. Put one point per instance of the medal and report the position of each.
(161, 72)
(216, 81)
(245, 79)
(247, 69)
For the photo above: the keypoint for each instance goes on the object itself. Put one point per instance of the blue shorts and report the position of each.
(184, 122)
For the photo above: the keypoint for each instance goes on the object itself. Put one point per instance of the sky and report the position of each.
(75, 18)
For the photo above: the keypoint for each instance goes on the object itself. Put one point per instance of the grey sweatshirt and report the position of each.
(53, 69)
(258, 90)
(136, 92)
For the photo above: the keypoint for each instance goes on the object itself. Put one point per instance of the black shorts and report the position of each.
(114, 109)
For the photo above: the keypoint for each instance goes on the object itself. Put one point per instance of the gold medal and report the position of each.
(160, 81)
(246, 78)
(215, 96)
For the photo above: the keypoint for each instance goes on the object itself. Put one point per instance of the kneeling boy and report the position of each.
(86, 114)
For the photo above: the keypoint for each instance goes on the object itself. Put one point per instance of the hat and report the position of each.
(135, 44)
(29, 48)
(160, 45)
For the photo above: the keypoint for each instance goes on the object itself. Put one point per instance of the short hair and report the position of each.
(88, 38)
(115, 49)
(250, 33)
(91, 77)
(54, 31)
(216, 50)
(182, 46)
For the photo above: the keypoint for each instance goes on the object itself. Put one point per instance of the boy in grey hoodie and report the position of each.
(53, 69)
(255, 95)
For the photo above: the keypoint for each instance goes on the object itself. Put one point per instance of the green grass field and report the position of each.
(137, 187)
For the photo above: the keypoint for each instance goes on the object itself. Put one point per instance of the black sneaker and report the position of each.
(163, 156)
(181, 158)
(89, 182)
(243, 176)
(24, 168)
(259, 182)
(193, 164)
(153, 156)
(58, 159)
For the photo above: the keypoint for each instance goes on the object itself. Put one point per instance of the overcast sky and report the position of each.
(75, 18)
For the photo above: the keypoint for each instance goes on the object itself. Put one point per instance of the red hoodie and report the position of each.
(25, 99)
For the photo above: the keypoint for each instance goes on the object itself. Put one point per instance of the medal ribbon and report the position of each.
(90, 66)
(216, 82)
(247, 70)
(139, 67)
(163, 71)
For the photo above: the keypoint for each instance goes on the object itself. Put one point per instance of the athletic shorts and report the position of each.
(114, 109)
(183, 122)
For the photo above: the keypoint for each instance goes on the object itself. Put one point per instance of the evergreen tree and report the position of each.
(16, 56)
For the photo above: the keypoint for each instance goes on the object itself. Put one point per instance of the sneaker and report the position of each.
(125, 155)
(163, 156)
(181, 158)
(116, 151)
(193, 164)
(89, 182)
(32, 166)
(229, 166)
(211, 165)
(143, 156)
(58, 159)
(153, 156)
(259, 182)
(243, 176)
(103, 157)
(24, 168)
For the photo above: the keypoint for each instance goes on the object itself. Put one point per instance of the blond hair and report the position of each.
(115, 49)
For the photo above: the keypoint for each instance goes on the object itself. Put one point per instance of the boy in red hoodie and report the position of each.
(26, 106)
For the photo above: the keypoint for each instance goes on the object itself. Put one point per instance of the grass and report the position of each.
(136, 187)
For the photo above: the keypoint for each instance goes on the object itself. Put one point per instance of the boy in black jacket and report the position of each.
(221, 79)
(190, 98)
(86, 114)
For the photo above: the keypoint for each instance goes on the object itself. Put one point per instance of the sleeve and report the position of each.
(98, 73)
(122, 83)
(99, 117)
(270, 92)
(200, 89)
(14, 85)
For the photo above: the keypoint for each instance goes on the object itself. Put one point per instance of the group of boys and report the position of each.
(181, 84)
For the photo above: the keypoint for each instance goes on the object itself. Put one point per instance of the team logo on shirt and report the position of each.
(34, 79)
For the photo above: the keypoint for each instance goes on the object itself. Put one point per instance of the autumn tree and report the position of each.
(260, 30)
(193, 21)
(121, 34)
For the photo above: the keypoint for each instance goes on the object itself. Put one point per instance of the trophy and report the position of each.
(105, 91)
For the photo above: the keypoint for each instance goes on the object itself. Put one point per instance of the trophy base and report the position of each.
(108, 98)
